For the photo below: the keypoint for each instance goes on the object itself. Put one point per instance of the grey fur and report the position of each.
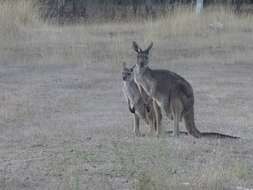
(136, 102)
(169, 91)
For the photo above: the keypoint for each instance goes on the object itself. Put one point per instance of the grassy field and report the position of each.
(64, 123)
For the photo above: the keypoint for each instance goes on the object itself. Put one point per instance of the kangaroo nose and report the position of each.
(124, 78)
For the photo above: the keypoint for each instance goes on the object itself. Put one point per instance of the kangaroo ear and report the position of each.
(136, 47)
(149, 47)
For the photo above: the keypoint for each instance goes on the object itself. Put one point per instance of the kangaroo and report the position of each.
(136, 103)
(169, 91)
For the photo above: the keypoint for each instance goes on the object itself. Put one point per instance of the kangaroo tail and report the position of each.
(191, 128)
(190, 124)
(218, 135)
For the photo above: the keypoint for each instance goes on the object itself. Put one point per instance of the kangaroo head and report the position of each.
(142, 55)
(127, 73)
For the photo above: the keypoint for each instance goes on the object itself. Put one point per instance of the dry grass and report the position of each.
(218, 36)
(216, 28)
(185, 23)
(15, 16)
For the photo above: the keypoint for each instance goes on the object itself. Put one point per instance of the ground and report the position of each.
(65, 123)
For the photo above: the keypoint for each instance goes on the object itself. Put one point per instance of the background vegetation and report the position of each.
(74, 10)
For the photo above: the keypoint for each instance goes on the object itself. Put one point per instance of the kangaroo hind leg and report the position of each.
(176, 108)
(137, 125)
(157, 120)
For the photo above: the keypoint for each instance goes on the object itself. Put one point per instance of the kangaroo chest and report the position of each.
(153, 87)
(145, 82)
(131, 92)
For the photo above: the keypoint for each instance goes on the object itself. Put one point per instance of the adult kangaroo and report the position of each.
(171, 92)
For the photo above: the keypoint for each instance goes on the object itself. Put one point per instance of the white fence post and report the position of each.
(199, 6)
